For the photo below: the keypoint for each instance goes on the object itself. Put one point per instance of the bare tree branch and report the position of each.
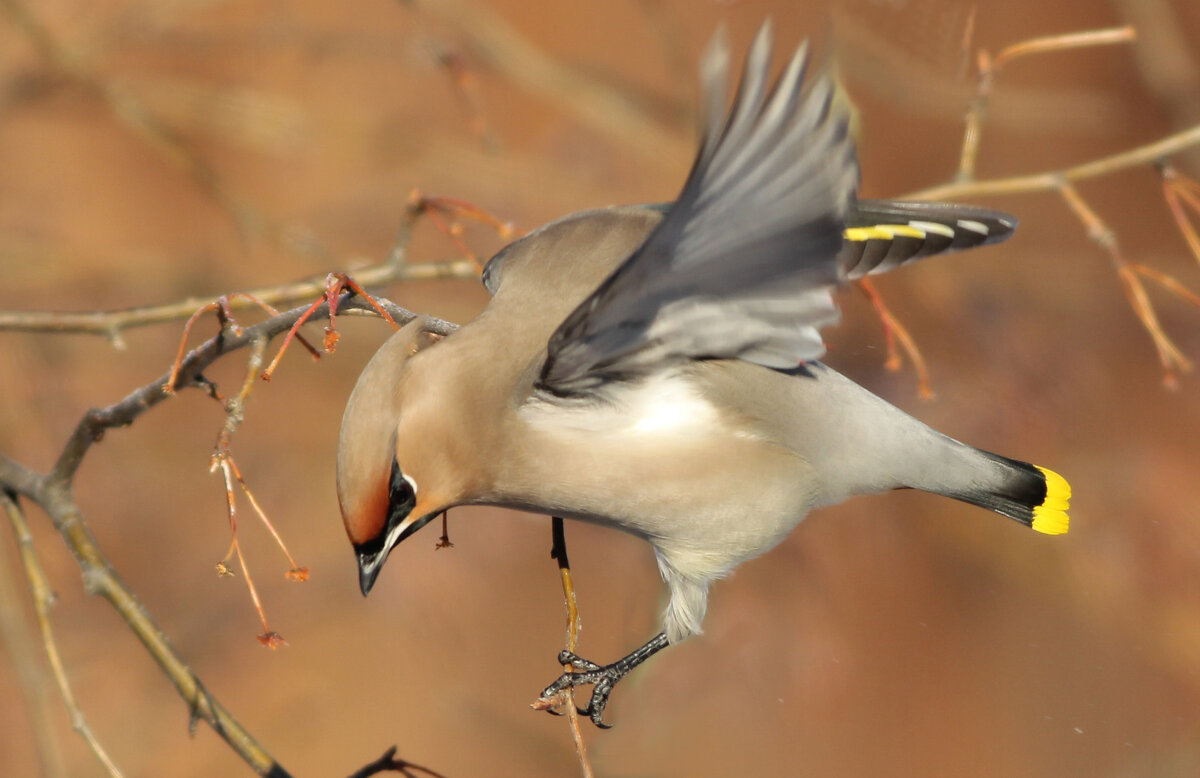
(53, 493)
(110, 324)
(99, 578)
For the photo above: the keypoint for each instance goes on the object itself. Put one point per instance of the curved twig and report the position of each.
(52, 491)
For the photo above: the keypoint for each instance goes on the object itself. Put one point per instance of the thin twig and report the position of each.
(1172, 359)
(1175, 187)
(235, 408)
(976, 112)
(1074, 40)
(435, 207)
(988, 67)
(1164, 54)
(52, 491)
(559, 552)
(296, 572)
(389, 762)
(335, 285)
(43, 598)
(121, 414)
(222, 459)
(269, 637)
(896, 334)
(19, 642)
(111, 323)
(225, 319)
(1179, 190)
(1167, 282)
(54, 496)
(1050, 181)
(394, 269)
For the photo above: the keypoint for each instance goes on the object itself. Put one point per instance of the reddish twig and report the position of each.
(225, 319)
(295, 572)
(435, 207)
(223, 459)
(1180, 190)
(335, 284)
(896, 333)
(269, 637)
(52, 491)
(1173, 360)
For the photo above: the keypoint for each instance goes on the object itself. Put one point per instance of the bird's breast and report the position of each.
(659, 460)
(662, 406)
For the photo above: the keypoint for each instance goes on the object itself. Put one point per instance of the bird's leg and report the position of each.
(603, 678)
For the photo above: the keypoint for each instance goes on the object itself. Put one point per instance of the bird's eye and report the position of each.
(402, 493)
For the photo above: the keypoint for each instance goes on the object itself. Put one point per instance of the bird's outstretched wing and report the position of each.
(744, 263)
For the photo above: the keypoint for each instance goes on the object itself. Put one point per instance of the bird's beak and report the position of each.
(371, 556)
(369, 565)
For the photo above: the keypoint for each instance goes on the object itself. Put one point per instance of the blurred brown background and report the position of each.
(897, 635)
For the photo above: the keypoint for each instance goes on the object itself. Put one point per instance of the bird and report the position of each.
(656, 368)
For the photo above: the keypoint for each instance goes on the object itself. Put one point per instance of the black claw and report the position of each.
(599, 701)
(602, 677)
(576, 661)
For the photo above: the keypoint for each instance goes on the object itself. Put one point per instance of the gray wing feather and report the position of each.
(744, 263)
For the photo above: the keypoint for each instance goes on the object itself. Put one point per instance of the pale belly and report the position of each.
(683, 479)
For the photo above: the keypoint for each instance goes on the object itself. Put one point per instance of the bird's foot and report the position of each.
(602, 679)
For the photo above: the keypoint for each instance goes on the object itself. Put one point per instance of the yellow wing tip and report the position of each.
(1051, 517)
(882, 232)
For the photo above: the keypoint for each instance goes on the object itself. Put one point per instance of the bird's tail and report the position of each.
(1036, 497)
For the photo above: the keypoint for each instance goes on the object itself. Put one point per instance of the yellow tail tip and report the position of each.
(1051, 517)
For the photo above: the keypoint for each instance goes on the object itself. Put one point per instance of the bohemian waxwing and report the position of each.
(652, 367)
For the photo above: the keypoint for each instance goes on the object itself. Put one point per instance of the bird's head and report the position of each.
(388, 486)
